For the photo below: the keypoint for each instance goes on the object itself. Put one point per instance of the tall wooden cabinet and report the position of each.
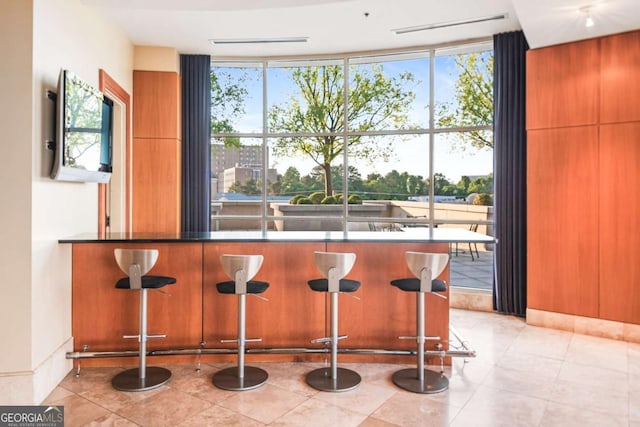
(619, 201)
(156, 151)
(583, 128)
(562, 220)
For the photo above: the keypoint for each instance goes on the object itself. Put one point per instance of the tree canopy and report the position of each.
(393, 185)
(375, 102)
(227, 101)
(474, 96)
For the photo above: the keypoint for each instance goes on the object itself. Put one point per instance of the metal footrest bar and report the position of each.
(283, 350)
(464, 351)
(246, 340)
(405, 337)
(137, 337)
(325, 340)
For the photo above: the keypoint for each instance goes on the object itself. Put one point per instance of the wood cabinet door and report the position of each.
(562, 220)
(563, 85)
(620, 78)
(156, 185)
(620, 222)
(156, 105)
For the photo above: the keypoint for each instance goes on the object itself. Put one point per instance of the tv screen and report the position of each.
(83, 146)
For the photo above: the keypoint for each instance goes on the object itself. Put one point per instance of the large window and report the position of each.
(355, 142)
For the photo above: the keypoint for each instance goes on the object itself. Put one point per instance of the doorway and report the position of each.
(114, 198)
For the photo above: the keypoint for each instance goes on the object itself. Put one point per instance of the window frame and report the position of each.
(346, 60)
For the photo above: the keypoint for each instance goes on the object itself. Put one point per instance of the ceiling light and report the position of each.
(449, 24)
(260, 41)
(588, 22)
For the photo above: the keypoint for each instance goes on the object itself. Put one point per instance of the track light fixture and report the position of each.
(405, 30)
(261, 41)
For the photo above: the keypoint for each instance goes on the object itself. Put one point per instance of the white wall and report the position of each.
(67, 34)
(15, 187)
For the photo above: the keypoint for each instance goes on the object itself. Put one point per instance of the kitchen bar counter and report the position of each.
(195, 316)
(408, 234)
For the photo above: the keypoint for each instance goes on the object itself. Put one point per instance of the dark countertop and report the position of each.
(427, 235)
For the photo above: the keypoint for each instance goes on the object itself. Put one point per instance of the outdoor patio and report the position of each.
(468, 273)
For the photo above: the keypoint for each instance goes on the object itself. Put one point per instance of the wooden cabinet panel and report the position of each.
(562, 220)
(620, 223)
(295, 314)
(156, 105)
(620, 78)
(156, 185)
(192, 311)
(563, 85)
(383, 312)
(291, 317)
(102, 314)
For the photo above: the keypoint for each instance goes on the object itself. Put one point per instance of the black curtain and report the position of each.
(510, 166)
(196, 134)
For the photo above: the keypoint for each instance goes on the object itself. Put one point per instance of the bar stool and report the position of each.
(241, 269)
(136, 263)
(425, 267)
(334, 266)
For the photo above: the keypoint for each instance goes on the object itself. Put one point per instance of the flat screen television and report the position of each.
(83, 132)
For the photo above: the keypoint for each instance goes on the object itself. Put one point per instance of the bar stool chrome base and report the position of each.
(345, 380)
(130, 380)
(433, 382)
(227, 379)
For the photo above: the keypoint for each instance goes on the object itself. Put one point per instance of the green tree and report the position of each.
(375, 100)
(474, 96)
(251, 187)
(228, 96)
(463, 186)
(440, 182)
(290, 182)
(416, 185)
(354, 178)
(482, 185)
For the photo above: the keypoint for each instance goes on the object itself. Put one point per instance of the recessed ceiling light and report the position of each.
(588, 22)
(449, 24)
(260, 41)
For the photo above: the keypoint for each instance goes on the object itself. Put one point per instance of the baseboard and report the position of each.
(32, 387)
(584, 325)
(470, 299)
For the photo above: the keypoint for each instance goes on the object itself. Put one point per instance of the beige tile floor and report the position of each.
(523, 376)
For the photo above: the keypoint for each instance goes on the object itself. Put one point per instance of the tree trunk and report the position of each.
(328, 185)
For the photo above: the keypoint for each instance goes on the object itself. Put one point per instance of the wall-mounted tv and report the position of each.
(83, 132)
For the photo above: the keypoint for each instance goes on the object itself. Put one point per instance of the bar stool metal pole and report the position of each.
(241, 268)
(136, 263)
(334, 266)
(425, 267)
